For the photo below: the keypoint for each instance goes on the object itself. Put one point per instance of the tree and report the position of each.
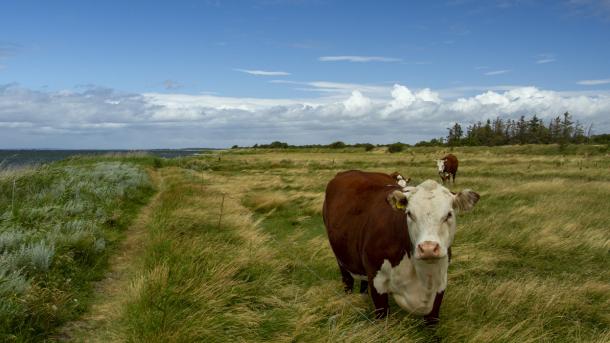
(522, 131)
(534, 130)
(555, 130)
(455, 135)
(566, 128)
(578, 136)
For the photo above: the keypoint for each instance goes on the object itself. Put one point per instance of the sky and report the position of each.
(177, 74)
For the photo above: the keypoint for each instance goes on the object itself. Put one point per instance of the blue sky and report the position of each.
(141, 74)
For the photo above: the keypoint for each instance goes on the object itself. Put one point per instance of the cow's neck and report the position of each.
(413, 283)
(431, 276)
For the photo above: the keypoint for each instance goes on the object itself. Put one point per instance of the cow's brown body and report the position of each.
(364, 230)
(451, 167)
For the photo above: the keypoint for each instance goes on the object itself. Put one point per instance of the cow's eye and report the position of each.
(449, 215)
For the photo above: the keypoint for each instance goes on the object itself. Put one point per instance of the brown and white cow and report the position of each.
(396, 239)
(447, 167)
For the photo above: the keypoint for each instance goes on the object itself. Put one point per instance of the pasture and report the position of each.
(233, 248)
(236, 251)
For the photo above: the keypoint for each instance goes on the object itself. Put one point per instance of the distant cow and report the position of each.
(396, 239)
(400, 180)
(447, 167)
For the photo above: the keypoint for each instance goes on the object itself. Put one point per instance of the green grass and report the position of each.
(530, 263)
(58, 223)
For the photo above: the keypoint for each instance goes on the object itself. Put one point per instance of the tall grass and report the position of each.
(530, 263)
(55, 221)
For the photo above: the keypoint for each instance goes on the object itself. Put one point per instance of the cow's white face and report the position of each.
(431, 211)
(440, 164)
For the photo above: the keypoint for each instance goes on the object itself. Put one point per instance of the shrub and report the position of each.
(368, 147)
(337, 145)
(395, 147)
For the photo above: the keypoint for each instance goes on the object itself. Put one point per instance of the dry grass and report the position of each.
(530, 262)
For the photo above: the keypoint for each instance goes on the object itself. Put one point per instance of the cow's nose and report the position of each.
(428, 249)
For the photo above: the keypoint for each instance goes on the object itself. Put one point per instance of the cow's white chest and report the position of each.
(413, 284)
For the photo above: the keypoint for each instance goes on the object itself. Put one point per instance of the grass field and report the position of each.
(233, 248)
(236, 251)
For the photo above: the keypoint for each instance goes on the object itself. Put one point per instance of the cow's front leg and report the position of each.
(432, 318)
(381, 302)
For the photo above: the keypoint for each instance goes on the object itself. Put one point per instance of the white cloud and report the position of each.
(545, 58)
(351, 58)
(593, 82)
(336, 87)
(403, 99)
(357, 104)
(497, 72)
(104, 118)
(427, 95)
(262, 72)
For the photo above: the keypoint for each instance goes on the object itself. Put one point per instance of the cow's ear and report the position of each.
(398, 200)
(465, 200)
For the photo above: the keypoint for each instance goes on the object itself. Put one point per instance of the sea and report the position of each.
(18, 158)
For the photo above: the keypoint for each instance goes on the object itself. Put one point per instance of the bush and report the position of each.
(337, 145)
(396, 147)
(278, 145)
(368, 147)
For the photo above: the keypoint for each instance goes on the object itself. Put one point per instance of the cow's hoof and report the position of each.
(381, 314)
(431, 321)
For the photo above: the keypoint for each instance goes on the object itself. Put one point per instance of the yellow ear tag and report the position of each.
(399, 205)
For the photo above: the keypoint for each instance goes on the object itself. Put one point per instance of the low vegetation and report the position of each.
(58, 223)
(236, 250)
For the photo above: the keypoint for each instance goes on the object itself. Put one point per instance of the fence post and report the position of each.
(222, 204)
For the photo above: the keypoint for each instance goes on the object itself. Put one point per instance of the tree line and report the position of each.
(560, 130)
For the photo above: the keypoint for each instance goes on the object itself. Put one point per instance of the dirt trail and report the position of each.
(95, 325)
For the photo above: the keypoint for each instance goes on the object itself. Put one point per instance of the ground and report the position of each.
(233, 248)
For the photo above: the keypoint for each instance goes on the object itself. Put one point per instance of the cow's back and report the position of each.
(451, 163)
(362, 227)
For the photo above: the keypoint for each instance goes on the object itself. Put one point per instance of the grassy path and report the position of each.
(98, 324)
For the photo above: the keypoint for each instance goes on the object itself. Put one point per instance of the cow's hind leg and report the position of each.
(363, 286)
(348, 280)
